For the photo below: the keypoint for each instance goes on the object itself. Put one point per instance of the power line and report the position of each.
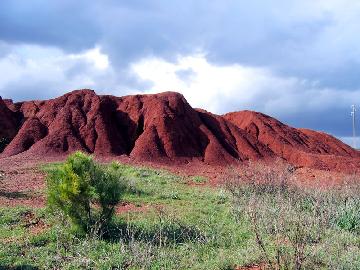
(353, 114)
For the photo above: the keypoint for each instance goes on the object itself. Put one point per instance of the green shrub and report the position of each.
(85, 192)
(349, 217)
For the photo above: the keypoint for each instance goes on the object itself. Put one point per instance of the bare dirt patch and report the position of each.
(126, 207)
(22, 181)
(252, 267)
(35, 225)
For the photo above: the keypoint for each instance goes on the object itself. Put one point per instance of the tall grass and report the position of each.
(292, 225)
(259, 217)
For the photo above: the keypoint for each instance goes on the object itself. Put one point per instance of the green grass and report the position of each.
(199, 179)
(183, 227)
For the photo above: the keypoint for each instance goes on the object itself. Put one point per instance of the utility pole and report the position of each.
(353, 113)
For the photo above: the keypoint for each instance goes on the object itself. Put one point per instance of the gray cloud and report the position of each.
(293, 37)
(70, 25)
(4, 49)
(314, 41)
(335, 121)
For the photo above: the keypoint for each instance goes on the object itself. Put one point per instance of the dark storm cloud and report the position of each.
(66, 24)
(251, 33)
(231, 31)
(334, 121)
(314, 41)
(162, 28)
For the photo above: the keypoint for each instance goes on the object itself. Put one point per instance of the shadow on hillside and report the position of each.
(19, 267)
(14, 195)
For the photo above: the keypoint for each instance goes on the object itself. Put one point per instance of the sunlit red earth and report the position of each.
(160, 130)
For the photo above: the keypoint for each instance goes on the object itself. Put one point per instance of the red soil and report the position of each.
(129, 207)
(300, 147)
(22, 182)
(162, 129)
(251, 267)
(8, 122)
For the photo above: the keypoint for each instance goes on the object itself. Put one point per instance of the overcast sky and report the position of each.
(296, 60)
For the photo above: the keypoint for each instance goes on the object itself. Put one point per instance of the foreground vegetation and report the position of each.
(174, 225)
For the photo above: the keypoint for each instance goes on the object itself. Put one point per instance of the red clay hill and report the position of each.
(160, 128)
(301, 147)
(9, 123)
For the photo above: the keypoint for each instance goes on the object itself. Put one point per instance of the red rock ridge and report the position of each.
(160, 127)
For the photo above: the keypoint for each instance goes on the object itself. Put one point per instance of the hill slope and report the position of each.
(152, 127)
(8, 122)
(302, 147)
(161, 128)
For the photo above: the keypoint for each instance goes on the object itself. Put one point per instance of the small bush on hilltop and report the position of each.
(85, 192)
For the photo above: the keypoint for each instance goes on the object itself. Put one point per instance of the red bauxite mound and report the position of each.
(160, 128)
(302, 147)
(8, 122)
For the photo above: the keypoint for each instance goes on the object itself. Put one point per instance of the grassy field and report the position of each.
(180, 226)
